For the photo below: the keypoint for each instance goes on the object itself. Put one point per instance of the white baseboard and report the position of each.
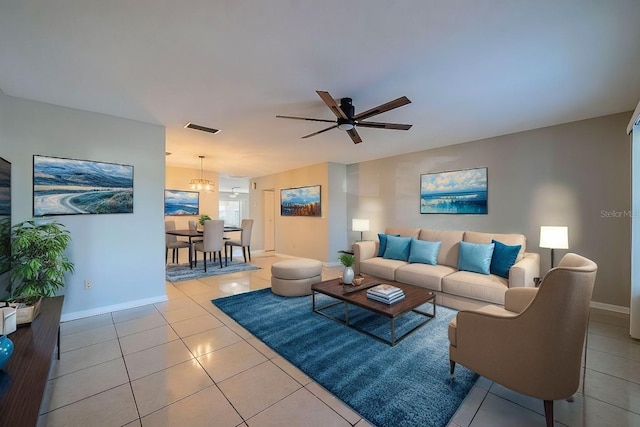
(610, 307)
(109, 308)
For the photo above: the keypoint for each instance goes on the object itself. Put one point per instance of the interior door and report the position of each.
(269, 212)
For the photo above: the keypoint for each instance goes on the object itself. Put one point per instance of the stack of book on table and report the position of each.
(387, 294)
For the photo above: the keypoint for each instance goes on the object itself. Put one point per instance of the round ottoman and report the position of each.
(294, 277)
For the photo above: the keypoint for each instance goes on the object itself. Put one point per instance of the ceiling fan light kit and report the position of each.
(347, 121)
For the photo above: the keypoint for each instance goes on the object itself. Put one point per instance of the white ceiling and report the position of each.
(473, 69)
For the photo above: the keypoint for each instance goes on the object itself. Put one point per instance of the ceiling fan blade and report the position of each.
(320, 131)
(332, 104)
(378, 125)
(354, 136)
(403, 100)
(306, 118)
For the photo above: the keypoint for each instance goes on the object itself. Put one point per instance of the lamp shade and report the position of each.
(360, 224)
(554, 237)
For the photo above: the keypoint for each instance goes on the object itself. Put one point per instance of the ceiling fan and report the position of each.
(347, 121)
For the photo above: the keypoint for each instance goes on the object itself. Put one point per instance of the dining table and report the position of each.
(190, 234)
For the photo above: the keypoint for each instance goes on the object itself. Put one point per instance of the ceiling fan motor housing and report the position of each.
(347, 107)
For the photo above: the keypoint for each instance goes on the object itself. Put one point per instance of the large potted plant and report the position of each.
(38, 264)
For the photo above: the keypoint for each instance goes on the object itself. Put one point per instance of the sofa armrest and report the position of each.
(517, 299)
(522, 272)
(364, 250)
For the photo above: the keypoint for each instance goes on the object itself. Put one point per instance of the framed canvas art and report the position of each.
(300, 201)
(72, 187)
(178, 202)
(454, 192)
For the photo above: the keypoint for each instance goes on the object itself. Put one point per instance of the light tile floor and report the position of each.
(185, 363)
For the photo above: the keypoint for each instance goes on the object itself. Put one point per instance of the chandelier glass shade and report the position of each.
(201, 183)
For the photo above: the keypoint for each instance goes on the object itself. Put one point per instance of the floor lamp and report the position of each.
(360, 225)
(553, 237)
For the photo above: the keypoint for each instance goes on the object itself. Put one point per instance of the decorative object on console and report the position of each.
(201, 183)
(6, 349)
(38, 264)
(554, 237)
(454, 192)
(72, 187)
(360, 225)
(347, 275)
(178, 202)
(300, 201)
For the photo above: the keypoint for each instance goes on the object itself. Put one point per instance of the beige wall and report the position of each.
(178, 179)
(571, 174)
(310, 237)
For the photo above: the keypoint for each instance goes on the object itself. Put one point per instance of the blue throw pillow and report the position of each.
(424, 252)
(383, 242)
(503, 258)
(475, 257)
(397, 248)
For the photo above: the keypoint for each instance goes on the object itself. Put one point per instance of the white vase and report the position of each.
(347, 275)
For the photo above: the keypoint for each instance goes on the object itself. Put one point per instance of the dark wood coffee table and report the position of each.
(414, 297)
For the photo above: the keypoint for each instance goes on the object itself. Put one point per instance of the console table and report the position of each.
(24, 377)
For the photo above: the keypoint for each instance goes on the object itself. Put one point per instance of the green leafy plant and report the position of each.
(204, 218)
(38, 263)
(347, 260)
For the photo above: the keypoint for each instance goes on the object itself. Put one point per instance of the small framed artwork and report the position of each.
(454, 192)
(75, 187)
(300, 201)
(178, 202)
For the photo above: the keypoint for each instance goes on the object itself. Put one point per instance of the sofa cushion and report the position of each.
(383, 242)
(424, 275)
(475, 257)
(503, 258)
(403, 231)
(397, 248)
(380, 267)
(507, 239)
(450, 244)
(489, 288)
(424, 251)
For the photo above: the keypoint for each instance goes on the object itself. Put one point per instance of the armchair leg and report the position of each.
(548, 412)
(452, 367)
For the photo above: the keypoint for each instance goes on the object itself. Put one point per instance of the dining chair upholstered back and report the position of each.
(213, 240)
(172, 242)
(244, 242)
(194, 226)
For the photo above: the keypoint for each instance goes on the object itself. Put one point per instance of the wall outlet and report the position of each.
(87, 285)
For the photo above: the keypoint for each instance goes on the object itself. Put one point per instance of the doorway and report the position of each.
(269, 203)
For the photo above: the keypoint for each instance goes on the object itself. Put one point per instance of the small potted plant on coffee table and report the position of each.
(347, 275)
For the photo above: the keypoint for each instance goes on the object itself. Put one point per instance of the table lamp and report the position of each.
(360, 225)
(554, 238)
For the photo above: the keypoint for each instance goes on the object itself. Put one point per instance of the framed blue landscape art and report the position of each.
(454, 192)
(300, 201)
(72, 187)
(178, 202)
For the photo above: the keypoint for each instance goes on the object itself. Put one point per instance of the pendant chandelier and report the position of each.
(201, 183)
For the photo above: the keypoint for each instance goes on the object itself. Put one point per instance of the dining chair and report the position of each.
(172, 242)
(213, 239)
(244, 242)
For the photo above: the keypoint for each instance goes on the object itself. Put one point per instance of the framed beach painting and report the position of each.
(178, 202)
(300, 201)
(454, 192)
(73, 187)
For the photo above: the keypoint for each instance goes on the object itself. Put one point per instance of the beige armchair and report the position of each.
(534, 344)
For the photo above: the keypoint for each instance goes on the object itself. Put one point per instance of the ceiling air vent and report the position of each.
(202, 128)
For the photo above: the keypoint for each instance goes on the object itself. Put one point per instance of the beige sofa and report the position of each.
(456, 289)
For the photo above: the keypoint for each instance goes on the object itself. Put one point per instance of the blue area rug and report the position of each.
(404, 385)
(180, 272)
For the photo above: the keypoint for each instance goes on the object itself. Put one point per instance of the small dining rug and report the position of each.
(404, 385)
(181, 272)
